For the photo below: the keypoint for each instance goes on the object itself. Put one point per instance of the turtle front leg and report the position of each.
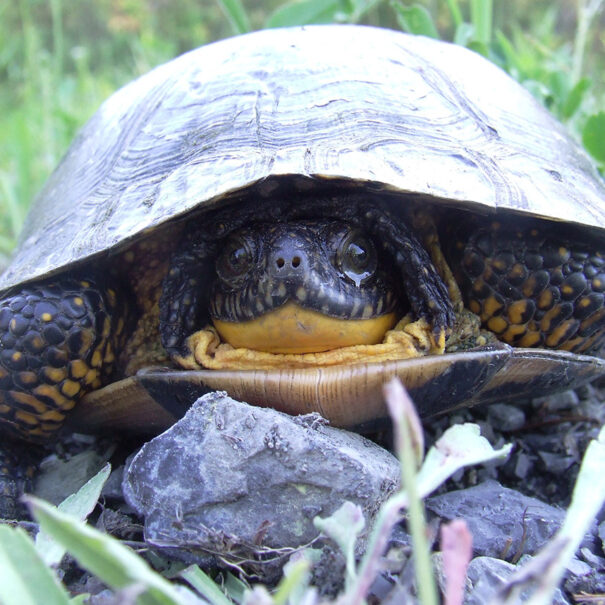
(58, 341)
(424, 287)
(186, 295)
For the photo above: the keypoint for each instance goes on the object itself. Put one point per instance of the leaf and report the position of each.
(593, 136)
(343, 527)
(479, 47)
(457, 552)
(455, 12)
(415, 19)
(24, 578)
(303, 12)
(514, 63)
(360, 8)
(236, 14)
(104, 556)
(207, 587)
(575, 98)
(294, 584)
(545, 570)
(464, 34)
(461, 445)
(80, 505)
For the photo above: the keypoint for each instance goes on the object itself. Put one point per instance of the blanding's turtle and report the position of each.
(343, 203)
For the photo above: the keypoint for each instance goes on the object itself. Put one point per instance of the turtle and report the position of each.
(293, 216)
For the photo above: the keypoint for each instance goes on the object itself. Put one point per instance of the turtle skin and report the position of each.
(530, 283)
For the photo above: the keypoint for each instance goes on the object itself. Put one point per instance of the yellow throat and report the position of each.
(293, 329)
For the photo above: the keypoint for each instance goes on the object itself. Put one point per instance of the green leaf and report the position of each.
(295, 581)
(514, 63)
(104, 556)
(479, 47)
(344, 526)
(24, 578)
(80, 505)
(205, 585)
(303, 12)
(236, 13)
(360, 8)
(464, 34)
(415, 19)
(455, 12)
(575, 98)
(593, 136)
(545, 571)
(234, 587)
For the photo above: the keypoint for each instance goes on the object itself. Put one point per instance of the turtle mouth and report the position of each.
(295, 329)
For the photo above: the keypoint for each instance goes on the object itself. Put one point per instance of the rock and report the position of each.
(60, 478)
(556, 463)
(505, 417)
(523, 465)
(234, 479)
(487, 575)
(503, 522)
(565, 400)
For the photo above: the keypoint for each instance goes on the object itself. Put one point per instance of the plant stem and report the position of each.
(587, 10)
(427, 592)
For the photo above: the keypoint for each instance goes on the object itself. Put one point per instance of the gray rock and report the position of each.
(565, 400)
(601, 531)
(523, 465)
(555, 463)
(60, 478)
(578, 568)
(505, 417)
(504, 522)
(487, 575)
(234, 479)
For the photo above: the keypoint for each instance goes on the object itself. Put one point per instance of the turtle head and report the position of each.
(302, 286)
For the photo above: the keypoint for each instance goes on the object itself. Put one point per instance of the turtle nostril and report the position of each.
(280, 262)
(296, 261)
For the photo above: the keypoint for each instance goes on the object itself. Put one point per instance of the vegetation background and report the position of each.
(59, 59)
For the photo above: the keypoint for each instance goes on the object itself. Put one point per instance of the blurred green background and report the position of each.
(59, 59)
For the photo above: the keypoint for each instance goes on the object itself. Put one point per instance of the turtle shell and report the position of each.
(325, 104)
(407, 113)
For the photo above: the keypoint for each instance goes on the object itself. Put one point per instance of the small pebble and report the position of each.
(523, 465)
(505, 417)
(565, 400)
(555, 463)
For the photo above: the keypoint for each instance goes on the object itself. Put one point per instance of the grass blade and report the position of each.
(415, 20)
(593, 136)
(80, 505)
(104, 556)
(455, 12)
(236, 13)
(205, 585)
(305, 12)
(481, 17)
(24, 578)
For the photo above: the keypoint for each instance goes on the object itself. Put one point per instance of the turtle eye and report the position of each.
(235, 260)
(356, 257)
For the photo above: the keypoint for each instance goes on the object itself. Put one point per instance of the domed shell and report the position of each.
(408, 113)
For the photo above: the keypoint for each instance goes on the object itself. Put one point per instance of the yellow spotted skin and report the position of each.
(56, 344)
(534, 288)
